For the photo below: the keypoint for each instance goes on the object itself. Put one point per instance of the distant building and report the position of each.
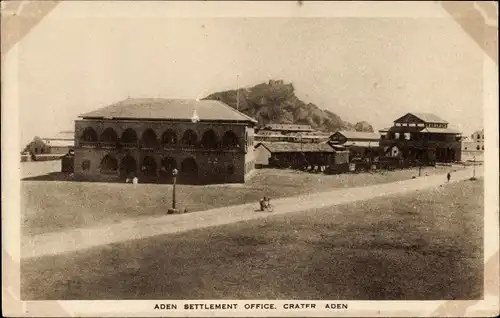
(473, 146)
(289, 133)
(358, 143)
(286, 128)
(475, 143)
(206, 140)
(61, 143)
(288, 154)
(421, 137)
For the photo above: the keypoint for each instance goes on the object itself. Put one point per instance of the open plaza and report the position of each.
(416, 243)
(336, 236)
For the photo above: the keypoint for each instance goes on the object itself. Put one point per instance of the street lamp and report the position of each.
(174, 175)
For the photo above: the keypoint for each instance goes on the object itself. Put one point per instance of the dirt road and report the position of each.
(74, 240)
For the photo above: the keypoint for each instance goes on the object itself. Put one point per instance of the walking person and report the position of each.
(448, 177)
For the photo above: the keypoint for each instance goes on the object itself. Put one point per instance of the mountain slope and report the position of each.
(275, 102)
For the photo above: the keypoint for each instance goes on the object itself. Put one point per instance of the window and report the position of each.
(85, 165)
(465, 148)
(477, 148)
(482, 148)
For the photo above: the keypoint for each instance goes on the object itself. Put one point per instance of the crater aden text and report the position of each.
(249, 306)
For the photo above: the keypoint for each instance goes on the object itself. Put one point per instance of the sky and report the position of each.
(363, 69)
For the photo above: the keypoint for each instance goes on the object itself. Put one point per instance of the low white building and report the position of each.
(473, 146)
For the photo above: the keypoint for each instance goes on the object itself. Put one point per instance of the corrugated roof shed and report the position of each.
(169, 109)
(296, 147)
(364, 144)
(289, 127)
(359, 135)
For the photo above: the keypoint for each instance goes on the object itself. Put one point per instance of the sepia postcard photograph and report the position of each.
(250, 158)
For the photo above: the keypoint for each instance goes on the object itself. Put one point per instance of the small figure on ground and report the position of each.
(265, 204)
(448, 177)
(262, 203)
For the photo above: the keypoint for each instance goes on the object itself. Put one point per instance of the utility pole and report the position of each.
(238, 93)
(474, 168)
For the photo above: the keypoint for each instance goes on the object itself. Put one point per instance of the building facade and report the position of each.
(61, 144)
(206, 141)
(475, 143)
(473, 146)
(421, 137)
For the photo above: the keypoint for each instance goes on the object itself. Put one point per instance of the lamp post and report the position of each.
(174, 175)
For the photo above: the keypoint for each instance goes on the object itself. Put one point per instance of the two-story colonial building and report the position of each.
(421, 137)
(207, 141)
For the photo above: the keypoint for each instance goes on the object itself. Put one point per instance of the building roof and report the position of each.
(296, 147)
(426, 117)
(338, 147)
(359, 135)
(169, 109)
(385, 129)
(289, 127)
(480, 132)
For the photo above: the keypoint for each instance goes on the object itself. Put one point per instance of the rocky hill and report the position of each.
(363, 126)
(275, 103)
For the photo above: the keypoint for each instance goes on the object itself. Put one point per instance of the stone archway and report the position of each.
(167, 165)
(149, 139)
(128, 166)
(209, 140)
(169, 138)
(89, 135)
(109, 135)
(189, 138)
(230, 140)
(189, 170)
(148, 166)
(129, 136)
(108, 165)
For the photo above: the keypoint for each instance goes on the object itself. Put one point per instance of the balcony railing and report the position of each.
(420, 142)
(89, 144)
(182, 147)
